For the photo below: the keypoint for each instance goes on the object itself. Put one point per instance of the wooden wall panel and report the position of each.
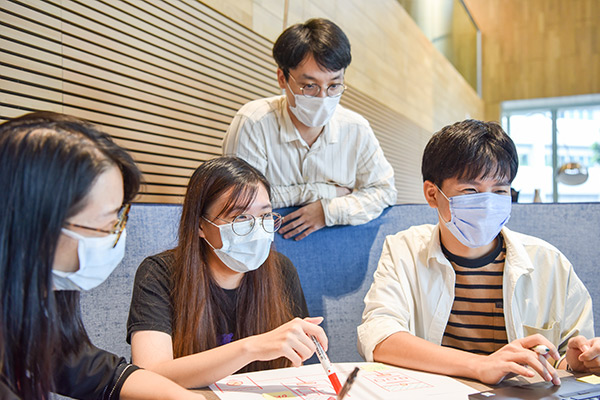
(165, 77)
(537, 48)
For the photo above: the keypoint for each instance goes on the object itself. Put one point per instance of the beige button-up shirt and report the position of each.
(346, 154)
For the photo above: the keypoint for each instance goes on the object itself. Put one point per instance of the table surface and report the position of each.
(519, 380)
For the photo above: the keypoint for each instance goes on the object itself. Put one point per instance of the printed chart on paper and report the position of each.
(374, 381)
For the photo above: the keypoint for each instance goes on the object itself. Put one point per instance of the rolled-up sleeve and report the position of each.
(374, 190)
(388, 304)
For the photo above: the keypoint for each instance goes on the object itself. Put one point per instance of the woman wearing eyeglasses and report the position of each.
(222, 300)
(62, 230)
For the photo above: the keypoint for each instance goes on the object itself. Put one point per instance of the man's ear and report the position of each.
(281, 79)
(430, 191)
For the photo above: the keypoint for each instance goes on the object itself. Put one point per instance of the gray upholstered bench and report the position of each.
(336, 264)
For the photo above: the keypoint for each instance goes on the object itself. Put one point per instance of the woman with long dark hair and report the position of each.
(221, 300)
(66, 187)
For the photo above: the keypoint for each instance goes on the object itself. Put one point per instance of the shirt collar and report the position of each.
(434, 249)
(288, 131)
(516, 256)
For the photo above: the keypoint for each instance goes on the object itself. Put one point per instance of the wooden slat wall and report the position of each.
(163, 77)
(401, 139)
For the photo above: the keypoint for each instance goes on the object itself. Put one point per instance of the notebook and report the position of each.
(570, 389)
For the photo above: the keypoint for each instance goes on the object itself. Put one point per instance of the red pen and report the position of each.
(327, 366)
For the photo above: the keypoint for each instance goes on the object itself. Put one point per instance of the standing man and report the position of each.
(315, 153)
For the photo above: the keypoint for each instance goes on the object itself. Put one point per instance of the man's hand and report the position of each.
(583, 355)
(304, 221)
(515, 357)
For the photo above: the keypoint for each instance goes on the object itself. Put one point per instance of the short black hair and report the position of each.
(319, 37)
(468, 150)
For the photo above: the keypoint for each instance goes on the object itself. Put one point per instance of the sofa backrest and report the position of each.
(335, 265)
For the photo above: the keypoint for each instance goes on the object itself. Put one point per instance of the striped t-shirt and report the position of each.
(476, 322)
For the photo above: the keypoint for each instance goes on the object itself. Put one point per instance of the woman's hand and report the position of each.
(291, 340)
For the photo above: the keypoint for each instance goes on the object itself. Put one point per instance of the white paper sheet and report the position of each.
(374, 381)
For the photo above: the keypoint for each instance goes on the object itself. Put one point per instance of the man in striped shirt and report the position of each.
(315, 153)
(467, 296)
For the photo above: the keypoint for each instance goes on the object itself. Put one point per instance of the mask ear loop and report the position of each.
(438, 210)
(204, 237)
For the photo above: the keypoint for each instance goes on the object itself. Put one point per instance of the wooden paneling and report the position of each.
(165, 77)
(537, 48)
(401, 139)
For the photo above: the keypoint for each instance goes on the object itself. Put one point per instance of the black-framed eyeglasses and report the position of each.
(243, 224)
(117, 228)
(313, 90)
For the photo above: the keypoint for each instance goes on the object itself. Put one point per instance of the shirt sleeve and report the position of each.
(300, 194)
(579, 317)
(246, 139)
(388, 304)
(92, 373)
(374, 189)
(293, 287)
(151, 308)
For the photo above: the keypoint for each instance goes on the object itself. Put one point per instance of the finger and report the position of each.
(530, 342)
(300, 343)
(288, 226)
(296, 231)
(291, 355)
(530, 358)
(519, 369)
(549, 369)
(592, 366)
(591, 354)
(305, 233)
(579, 343)
(314, 320)
(293, 215)
(292, 225)
(317, 332)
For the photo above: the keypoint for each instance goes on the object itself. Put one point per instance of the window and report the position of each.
(548, 134)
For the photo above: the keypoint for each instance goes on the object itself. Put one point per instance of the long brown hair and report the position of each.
(262, 304)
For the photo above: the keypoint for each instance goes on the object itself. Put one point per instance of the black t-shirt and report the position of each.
(151, 307)
(92, 373)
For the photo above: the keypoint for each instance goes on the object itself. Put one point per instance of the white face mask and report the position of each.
(477, 218)
(97, 260)
(243, 253)
(313, 111)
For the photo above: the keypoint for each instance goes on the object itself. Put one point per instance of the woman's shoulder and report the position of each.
(159, 265)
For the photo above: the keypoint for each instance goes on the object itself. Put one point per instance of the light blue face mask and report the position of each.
(476, 219)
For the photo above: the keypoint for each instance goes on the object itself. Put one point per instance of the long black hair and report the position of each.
(48, 164)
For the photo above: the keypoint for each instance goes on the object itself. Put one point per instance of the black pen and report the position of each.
(348, 383)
